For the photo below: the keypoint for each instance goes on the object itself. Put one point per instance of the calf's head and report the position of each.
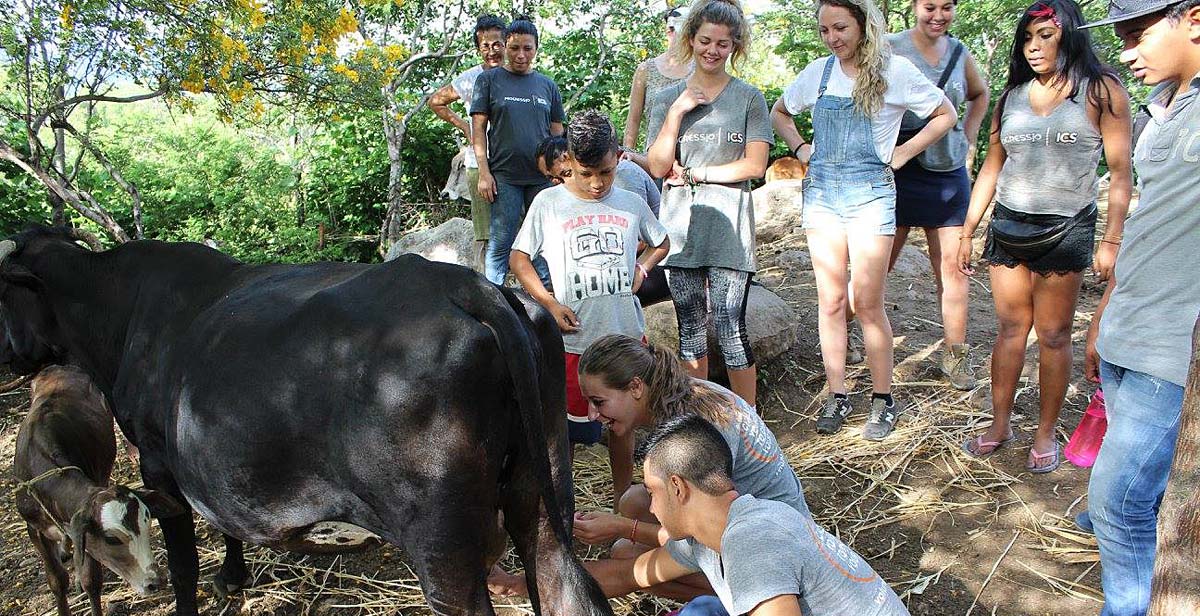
(113, 526)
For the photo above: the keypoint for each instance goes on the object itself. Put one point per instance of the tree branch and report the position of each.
(116, 175)
(36, 125)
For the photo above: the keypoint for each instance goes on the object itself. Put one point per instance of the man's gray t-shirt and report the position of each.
(631, 177)
(1147, 325)
(464, 86)
(712, 225)
(759, 467)
(520, 109)
(591, 249)
(769, 549)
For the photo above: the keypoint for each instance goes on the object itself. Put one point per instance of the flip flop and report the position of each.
(980, 443)
(1034, 457)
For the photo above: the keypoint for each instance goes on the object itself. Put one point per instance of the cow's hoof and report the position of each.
(227, 582)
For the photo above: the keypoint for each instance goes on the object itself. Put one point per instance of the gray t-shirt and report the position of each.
(759, 467)
(769, 549)
(464, 87)
(1147, 325)
(949, 152)
(1050, 163)
(631, 177)
(520, 109)
(591, 250)
(712, 225)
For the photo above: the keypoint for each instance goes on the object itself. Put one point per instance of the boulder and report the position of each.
(777, 209)
(794, 260)
(450, 242)
(912, 263)
(770, 324)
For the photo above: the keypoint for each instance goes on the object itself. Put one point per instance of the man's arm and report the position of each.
(439, 103)
(782, 605)
(619, 577)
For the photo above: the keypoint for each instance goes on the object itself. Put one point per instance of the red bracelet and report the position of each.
(633, 533)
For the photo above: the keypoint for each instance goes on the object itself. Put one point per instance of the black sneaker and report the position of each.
(882, 420)
(835, 412)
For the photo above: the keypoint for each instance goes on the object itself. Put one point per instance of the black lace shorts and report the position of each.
(1072, 254)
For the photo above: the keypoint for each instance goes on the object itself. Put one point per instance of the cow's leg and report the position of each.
(56, 574)
(233, 574)
(552, 572)
(92, 579)
(179, 535)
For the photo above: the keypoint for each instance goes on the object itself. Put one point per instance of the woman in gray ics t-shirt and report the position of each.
(1060, 108)
(712, 136)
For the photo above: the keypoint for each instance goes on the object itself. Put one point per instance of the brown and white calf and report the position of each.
(65, 452)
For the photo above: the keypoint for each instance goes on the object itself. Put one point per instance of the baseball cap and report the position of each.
(1124, 10)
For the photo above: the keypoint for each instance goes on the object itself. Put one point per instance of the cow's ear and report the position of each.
(159, 504)
(19, 276)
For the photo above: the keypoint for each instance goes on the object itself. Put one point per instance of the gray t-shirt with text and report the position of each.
(712, 225)
(591, 250)
(1147, 326)
(520, 109)
(769, 550)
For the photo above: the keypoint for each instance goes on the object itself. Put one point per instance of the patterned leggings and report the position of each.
(727, 290)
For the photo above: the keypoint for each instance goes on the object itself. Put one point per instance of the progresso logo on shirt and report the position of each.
(717, 137)
(534, 99)
(1050, 136)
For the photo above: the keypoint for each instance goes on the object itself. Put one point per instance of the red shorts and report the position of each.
(577, 405)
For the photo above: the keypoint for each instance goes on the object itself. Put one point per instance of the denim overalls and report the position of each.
(847, 185)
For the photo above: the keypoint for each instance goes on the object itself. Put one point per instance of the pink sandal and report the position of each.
(1035, 457)
(979, 443)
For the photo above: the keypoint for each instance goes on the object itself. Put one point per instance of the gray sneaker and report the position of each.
(832, 416)
(956, 366)
(882, 420)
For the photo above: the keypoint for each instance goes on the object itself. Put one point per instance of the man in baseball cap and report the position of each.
(1139, 344)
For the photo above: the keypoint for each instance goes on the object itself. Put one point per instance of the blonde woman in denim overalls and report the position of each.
(858, 97)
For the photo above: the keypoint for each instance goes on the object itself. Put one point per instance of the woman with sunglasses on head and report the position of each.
(858, 96)
(711, 137)
(1060, 109)
(651, 77)
(933, 190)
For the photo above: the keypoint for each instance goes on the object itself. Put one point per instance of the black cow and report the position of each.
(413, 399)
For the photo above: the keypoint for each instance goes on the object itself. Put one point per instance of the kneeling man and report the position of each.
(762, 558)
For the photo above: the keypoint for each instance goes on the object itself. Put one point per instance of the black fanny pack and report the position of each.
(1028, 241)
(906, 134)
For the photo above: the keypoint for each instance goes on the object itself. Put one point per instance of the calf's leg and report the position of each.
(56, 574)
(91, 578)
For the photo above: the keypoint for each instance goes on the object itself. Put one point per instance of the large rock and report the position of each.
(777, 209)
(450, 242)
(770, 324)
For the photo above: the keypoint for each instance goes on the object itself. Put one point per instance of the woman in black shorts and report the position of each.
(1059, 110)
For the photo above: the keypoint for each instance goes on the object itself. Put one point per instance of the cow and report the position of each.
(413, 399)
(64, 456)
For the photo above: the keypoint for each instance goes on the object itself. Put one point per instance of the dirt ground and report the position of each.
(953, 535)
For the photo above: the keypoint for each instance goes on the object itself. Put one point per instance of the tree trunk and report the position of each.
(1176, 587)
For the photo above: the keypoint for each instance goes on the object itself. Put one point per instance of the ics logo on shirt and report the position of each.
(737, 138)
(1066, 137)
(541, 101)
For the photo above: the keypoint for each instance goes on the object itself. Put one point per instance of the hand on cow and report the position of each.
(567, 321)
(486, 186)
(504, 584)
(600, 527)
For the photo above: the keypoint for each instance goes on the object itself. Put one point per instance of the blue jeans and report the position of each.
(707, 605)
(508, 210)
(1128, 482)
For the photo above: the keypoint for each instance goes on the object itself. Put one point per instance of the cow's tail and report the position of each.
(521, 357)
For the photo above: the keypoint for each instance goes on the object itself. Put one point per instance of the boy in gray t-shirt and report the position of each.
(588, 232)
(761, 557)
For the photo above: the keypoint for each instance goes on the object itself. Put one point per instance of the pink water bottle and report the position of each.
(1085, 442)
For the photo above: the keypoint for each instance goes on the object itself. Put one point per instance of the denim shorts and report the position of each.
(860, 201)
